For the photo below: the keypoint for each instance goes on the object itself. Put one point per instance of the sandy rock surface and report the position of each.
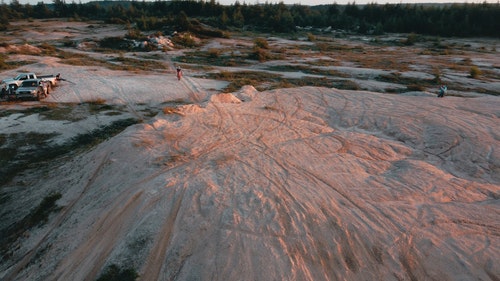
(309, 183)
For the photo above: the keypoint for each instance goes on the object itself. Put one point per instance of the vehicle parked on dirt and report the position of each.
(31, 89)
(16, 81)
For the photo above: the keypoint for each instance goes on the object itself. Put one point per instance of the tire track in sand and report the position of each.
(157, 255)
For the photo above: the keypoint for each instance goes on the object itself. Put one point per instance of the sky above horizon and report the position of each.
(302, 2)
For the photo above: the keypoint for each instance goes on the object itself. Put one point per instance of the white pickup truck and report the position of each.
(31, 89)
(14, 83)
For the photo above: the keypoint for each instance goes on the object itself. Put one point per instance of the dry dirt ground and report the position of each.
(362, 174)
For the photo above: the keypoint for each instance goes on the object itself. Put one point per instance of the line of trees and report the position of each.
(465, 20)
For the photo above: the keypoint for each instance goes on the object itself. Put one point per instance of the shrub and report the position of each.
(97, 101)
(69, 43)
(261, 43)
(260, 54)
(113, 43)
(115, 273)
(133, 34)
(41, 213)
(311, 37)
(437, 76)
(475, 72)
(3, 26)
(214, 53)
(415, 87)
(411, 39)
(3, 64)
(48, 49)
(347, 85)
(185, 39)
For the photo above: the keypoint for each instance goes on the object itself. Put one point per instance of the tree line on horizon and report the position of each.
(462, 20)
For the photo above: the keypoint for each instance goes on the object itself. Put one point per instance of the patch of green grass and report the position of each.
(398, 79)
(99, 135)
(41, 213)
(262, 54)
(24, 151)
(138, 64)
(97, 105)
(301, 82)
(327, 47)
(307, 69)
(60, 113)
(213, 58)
(346, 85)
(5, 113)
(21, 151)
(323, 62)
(53, 111)
(268, 81)
(113, 113)
(415, 87)
(239, 79)
(185, 39)
(4, 198)
(37, 216)
(119, 63)
(9, 64)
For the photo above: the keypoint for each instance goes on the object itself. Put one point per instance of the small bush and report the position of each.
(97, 101)
(261, 43)
(214, 53)
(4, 26)
(69, 43)
(113, 43)
(3, 65)
(41, 213)
(411, 39)
(48, 49)
(115, 273)
(185, 39)
(415, 87)
(260, 54)
(133, 34)
(475, 72)
(347, 85)
(437, 76)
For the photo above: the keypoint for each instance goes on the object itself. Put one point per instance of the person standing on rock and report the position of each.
(179, 73)
(442, 91)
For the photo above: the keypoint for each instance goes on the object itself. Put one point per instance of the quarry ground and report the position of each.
(331, 158)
